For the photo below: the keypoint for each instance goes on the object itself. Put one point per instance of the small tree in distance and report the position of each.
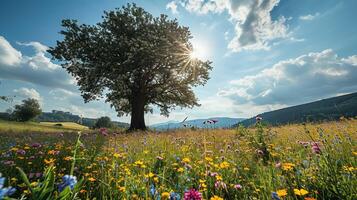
(134, 60)
(29, 109)
(104, 122)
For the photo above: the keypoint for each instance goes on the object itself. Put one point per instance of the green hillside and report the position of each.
(323, 110)
(12, 126)
(61, 116)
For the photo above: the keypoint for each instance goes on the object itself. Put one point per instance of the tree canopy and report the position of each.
(134, 61)
(104, 122)
(29, 109)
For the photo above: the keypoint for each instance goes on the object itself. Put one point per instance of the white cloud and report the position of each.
(306, 78)
(62, 94)
(28, 93)
(39, 60)
(254, 27)
(309, 17)
(172, 6)
(8, 55)
(37, 69)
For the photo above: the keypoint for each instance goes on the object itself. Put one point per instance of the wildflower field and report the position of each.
(306, 161)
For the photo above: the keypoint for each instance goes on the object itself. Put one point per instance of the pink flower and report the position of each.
(220, 184)
(192, 194)
(238, 187)
(103, 131)
(315, 148)
(278, 165)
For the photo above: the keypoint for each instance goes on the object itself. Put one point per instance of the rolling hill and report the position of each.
(322, 110)
(61, 116)
(222, 122)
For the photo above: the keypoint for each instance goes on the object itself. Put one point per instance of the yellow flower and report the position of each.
(150, 175)
(139, 163)
(180, 169)
(14, 149)
(350, 169)
(122, 189)
(165, 195)
(50, 161)
(117, 155)
(219, 178)
(282, 193)
(67, 158)
(246, 169)
(33, 184)
(51, 152)
(216, 198)
(186, 160)
(288, 166)
(203, 185)
(156, 179)
(224, 165)
(355, 153)
(91, 179)
(300, 192)
(208, 159)
(145, 151)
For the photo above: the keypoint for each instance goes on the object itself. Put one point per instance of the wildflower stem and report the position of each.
(75, 154)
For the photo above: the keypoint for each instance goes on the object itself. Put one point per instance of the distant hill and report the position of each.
(323, 110)
(61, 116)
(223, 122)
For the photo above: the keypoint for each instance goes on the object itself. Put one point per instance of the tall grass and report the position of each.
(306, 161)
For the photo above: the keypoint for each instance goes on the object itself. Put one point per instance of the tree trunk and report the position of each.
(137, 114)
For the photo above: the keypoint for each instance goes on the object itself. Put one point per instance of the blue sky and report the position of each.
(266, 54)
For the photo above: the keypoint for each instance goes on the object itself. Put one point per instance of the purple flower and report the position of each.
(38, 174)
(21, 152)
(31, 175)
(36, 145)
(192, 194)
(8, 162)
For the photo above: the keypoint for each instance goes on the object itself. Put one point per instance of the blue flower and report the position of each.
(175, 196)
(152, 190)
(7, 191)
(67, 180)
(275, 196)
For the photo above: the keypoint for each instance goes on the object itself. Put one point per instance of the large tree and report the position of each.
(134, 60)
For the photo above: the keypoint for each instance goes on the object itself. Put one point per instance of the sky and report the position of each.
(266, 54)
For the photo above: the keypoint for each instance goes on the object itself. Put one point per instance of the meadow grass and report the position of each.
(303, 161)
(47, 127)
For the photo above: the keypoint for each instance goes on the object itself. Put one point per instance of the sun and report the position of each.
(200, 50)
